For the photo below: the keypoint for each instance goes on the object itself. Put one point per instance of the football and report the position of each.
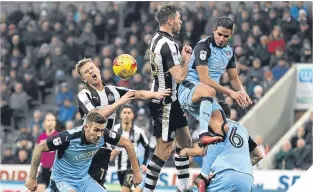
(125, 66)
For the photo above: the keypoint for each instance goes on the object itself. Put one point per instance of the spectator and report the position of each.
(293, 49)
(306, 52)
(304, 32)
(64, 94)
(268, 81)
(284, 159)
(300, 135)
(261, 51)
(257, 93)
(69, 125)
(6, 112)
(289, 26)
(8, 157)
(18, 102)
(31, 88)
(25, 141)
(309, 124)
(256, 71)
(303, 155)
(36, 120)
(26, 68)
(278, 54)
(295, 9)
(67, 111)
(22, 157)
(276, 40)
(280, 69)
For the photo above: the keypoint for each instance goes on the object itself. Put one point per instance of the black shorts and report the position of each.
(99, 165)
(125, 178)
(167, 118)
(44, 176)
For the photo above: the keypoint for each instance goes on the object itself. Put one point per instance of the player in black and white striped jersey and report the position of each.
(137, 136)
(169, 68)
(108, 99)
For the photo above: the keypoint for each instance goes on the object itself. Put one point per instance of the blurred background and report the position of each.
(41, 43)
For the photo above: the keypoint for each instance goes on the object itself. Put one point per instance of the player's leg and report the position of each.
(164, 142)
(90, 185)
(62, 187)
(43, 179)
(183, 140)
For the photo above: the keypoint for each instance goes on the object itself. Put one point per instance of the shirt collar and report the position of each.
(83, 138)
(166, 34)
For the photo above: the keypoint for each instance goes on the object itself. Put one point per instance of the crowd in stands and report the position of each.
(40, 47)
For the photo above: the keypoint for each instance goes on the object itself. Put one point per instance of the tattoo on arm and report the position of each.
(35, 162)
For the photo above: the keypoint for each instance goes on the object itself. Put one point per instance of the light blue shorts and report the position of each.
(87, 184)
(231, 181)
(185, 93)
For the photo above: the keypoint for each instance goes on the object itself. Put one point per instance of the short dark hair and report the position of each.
(95, 117)
(225, 108)
(167, 11)
(127, 106)
(225, 22)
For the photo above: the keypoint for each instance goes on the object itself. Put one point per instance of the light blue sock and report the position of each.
(212, 152)
(205, 113)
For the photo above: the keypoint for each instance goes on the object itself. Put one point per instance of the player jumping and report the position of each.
(211, 57)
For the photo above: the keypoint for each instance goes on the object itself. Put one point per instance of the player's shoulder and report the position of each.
(116, 127)
(203, 44)
(74, 133)
(232, 123)
(83, 92)
(138, 129)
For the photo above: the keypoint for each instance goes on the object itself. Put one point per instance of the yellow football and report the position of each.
(125, 66)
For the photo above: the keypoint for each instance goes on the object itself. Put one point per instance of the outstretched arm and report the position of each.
(31, 182)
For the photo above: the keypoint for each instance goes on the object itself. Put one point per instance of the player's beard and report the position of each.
(175, 31)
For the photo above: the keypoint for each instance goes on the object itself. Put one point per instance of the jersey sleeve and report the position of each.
(252, 144)
(58, 141)
(232, 62)
(169, 55)
(84, 103)
(202, 53)
(122, 90)
(111, 137)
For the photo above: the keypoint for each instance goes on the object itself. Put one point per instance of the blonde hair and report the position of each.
(81, 63)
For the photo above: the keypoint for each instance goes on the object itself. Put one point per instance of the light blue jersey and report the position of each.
(217, 59)
(236, 152)
(73, 158)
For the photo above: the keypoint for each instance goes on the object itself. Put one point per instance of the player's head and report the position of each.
(49, 122)
(170, 16)
(223, 31)
(127, 114)
(225, 108)
(88, 72)
(94, 126)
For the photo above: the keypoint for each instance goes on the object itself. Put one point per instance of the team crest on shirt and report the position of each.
(203, 55)
(228, 54)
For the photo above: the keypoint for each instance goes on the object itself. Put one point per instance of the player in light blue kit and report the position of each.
(75, 150)
(211, 57)
(232, 169)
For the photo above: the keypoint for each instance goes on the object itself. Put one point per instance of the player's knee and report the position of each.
(206, 91)
(163, 151)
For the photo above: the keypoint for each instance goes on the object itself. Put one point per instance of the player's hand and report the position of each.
(31, 184)
(137, 179)
(247, 99)
(186, 53)
(162, 94)
(143, 169)
(130, 95)
(183, 152)
(239, 98)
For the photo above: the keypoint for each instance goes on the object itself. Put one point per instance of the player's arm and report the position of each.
(144, 94)
(255, 152)
(202, 53)
(85, 104)
(114, 154)
(198, 151)
(177, 69)
(53, 143)
(234, 79)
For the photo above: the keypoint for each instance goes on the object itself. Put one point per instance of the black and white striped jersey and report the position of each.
(163, 54)
(136, 135)
(89, 99)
